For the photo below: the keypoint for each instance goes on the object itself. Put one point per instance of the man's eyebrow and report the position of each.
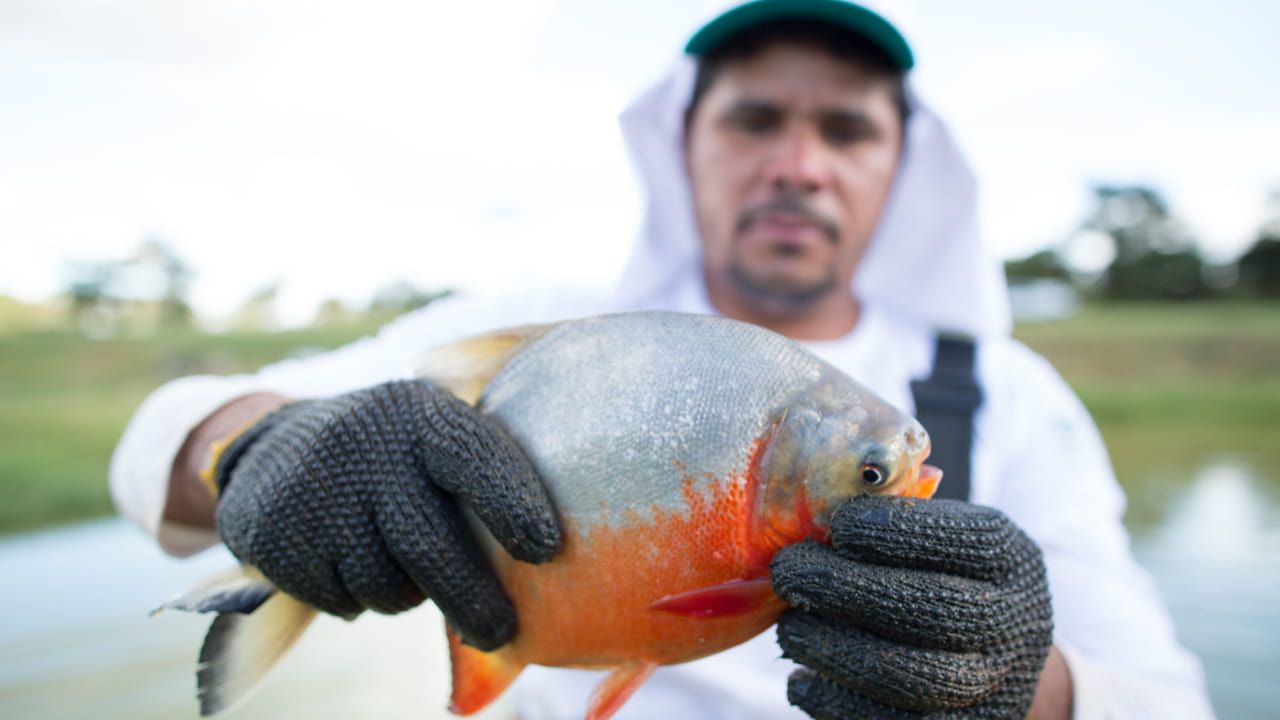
(847, 115)
(753, 105)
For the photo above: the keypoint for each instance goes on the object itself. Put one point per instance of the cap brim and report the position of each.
(848, 16)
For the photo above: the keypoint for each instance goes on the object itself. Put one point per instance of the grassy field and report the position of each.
(1199, 368)
(64, 400)
(1209, 372)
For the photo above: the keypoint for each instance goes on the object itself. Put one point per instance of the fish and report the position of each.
(681, 452)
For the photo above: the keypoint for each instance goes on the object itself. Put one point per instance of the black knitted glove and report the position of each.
(353, 503)
(919, 609)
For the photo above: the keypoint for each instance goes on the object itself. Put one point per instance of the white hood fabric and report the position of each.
(926, 264)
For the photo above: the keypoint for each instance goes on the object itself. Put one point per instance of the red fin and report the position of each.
(736, 597)
(478, 677)
(614, 690)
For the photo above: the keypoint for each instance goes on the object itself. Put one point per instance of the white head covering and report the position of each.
(925, 264)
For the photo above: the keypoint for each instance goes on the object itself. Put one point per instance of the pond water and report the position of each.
(75, 640)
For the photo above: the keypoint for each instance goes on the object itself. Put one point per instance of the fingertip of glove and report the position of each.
(808, 692)
(799, 685)
(800, 570)
(537, 539)
(492, 635)
(535, 550)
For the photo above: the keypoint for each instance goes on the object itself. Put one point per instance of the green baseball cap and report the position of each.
(853, 18)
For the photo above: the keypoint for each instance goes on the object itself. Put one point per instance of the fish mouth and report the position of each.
(926, 482)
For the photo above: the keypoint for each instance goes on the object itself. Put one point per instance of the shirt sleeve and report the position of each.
(1058, 484)
(143, 460)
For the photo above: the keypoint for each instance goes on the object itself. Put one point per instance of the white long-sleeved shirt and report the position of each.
(1037, 457)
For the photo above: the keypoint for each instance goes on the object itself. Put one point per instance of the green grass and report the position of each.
(64, 401)
(1171, 375)
(1207, 367)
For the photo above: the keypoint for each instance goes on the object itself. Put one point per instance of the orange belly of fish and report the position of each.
(593, 605)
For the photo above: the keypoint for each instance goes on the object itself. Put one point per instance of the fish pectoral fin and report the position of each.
(479, 677)
(240, 649)
(239, 590)
(466, 366)
(617, 686)
(729, 599)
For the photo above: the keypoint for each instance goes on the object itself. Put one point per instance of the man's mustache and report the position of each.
(789, 205)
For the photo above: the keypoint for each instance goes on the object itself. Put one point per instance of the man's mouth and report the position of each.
(787, 221)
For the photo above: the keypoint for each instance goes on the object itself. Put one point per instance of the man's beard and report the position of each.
(777, 295)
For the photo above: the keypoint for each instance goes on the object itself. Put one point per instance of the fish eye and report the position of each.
(873, 474)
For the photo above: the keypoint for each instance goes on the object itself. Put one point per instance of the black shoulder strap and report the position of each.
(945, 405)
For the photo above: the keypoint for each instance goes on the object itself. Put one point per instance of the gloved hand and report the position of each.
(353, 503)
(932, 608)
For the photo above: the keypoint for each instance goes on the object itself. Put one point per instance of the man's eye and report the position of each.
(845, 132)
(756, 122)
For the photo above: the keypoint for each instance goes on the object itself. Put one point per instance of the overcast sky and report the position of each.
(335, 147)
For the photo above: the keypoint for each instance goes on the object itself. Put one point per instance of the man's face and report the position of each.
(791, 154)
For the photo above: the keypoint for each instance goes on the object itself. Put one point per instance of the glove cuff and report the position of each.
(226, 452)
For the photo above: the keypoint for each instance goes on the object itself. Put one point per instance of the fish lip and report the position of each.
(929, 472)
(926, 482)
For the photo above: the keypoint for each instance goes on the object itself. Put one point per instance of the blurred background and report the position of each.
(206, 187)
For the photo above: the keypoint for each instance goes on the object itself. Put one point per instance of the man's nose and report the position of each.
(799, 163)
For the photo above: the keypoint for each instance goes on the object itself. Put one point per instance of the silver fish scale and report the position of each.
(616, 411)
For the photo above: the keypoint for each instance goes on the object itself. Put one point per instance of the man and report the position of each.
(795, 182)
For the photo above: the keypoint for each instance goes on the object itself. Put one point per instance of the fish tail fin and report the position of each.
(617, 686)
(478, 677)
(466, 366)
(255, 627)
(239, 650)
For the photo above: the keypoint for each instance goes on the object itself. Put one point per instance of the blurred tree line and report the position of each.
(147, 291)
(1154, 254)
(1149, 253)
(137, 294)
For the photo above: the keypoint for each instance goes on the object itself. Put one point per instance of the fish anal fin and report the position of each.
(240, 649)
(466, 366)
(609, 696)
(728, 599)
(478, 677)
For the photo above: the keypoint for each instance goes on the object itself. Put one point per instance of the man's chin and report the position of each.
(779, 292)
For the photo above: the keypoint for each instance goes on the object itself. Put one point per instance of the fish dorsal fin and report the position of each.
(617, 686)
(466, 366)
(478, 677)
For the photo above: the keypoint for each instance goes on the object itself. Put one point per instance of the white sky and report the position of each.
(339, 146)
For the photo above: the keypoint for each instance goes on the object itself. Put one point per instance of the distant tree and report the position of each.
(402, 296)
(1155, 254)
(1260, 266)
(176, 277)
(1043, 265)
(136, 294)
(333, 312)
(87, 289)
(258, 312)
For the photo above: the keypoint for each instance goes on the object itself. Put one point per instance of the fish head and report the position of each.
(840, 445)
